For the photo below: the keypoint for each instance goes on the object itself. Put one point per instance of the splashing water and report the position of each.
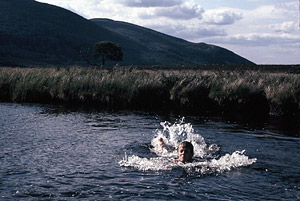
(206, 156)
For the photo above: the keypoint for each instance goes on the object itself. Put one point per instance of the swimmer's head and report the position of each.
(185, 152)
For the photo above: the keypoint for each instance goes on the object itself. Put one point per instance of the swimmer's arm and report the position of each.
(162, 144)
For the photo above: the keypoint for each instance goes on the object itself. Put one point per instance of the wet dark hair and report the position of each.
(187, 145)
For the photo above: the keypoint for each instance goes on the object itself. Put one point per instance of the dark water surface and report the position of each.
(52, 154)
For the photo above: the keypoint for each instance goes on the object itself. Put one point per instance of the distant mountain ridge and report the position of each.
(174, 50)
(39, 34)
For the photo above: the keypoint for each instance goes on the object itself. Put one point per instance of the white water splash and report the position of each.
(144, 164)
(225, 163)
(172, 135)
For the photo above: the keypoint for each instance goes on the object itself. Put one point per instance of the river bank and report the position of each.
(251, 93)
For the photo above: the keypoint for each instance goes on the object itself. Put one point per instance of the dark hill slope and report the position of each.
(160, 48)
(33, 34)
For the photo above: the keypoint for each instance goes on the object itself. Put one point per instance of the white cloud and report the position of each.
(150, 3)
(266, 34)
(182, 11)
(286, 27)
(267, 14)
(254, 39)
(288, 8)
(221, 17)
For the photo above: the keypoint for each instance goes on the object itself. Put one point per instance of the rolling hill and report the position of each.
(39, 34)
(159, 48)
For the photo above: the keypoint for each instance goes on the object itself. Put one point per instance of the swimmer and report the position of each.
(185, 151)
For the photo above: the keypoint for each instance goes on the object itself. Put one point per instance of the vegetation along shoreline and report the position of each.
(251, 91)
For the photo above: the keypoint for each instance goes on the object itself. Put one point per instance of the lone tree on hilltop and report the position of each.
(108, 51)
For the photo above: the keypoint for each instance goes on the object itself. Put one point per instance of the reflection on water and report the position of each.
(48, 152)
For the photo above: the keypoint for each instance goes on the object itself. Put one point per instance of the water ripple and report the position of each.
(53, 154)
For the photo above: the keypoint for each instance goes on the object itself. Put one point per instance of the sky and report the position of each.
(262, 31)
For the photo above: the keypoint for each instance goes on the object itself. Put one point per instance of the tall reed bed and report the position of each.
(244, 91)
